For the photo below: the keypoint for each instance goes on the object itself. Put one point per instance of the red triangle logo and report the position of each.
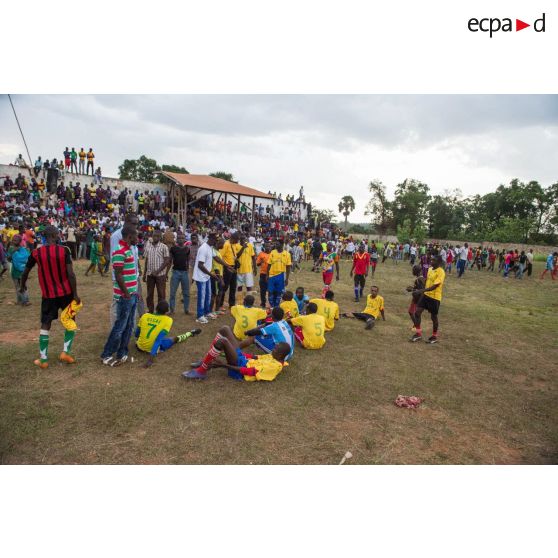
(519, 25)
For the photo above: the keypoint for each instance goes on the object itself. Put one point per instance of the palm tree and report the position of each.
(346, 206)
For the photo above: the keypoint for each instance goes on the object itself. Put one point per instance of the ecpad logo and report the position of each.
(493, 25)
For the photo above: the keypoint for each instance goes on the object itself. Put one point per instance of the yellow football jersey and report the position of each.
(329, 310)
(290, 307)
(313, 330)
(267, 368)
(435, 276)
(245, 319)
(150, 326)
(278, 262)
(374, 306)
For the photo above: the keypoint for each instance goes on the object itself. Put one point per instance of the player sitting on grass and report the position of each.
(152, 331)
(267, 337)
(418, 285)
(246, 316)
(309, 330)
(328, 309)
(240, 365)
(374, 308)
(289, 306)
(301, 300)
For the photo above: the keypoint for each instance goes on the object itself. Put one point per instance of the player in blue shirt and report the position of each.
(266, 337)
(301, 300)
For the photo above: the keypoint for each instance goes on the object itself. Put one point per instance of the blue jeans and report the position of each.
(180, 278)
(121, 331)
(204, 297)
(461, 267)
(275, 288)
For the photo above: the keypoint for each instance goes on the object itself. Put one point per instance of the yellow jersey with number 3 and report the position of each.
(313, 330)
(329, 310)
(150, 326)
(245, 319)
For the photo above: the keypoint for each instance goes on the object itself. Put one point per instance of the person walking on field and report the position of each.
(58, 288)
(462, 261)
(550, 265)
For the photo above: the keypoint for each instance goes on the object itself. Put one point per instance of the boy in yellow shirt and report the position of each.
(374, 308)
(309, 330)
(152, 332)
(430, 298)
(278, 271)
(328, 309)
(246, 317)
(241, 366)
(246, 267)
(289, 306)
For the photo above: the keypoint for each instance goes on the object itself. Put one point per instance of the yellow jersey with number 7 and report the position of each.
(245, 319)
(150, 325)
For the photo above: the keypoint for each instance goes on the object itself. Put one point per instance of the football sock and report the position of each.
(356, 292)
(211, 355)
(43, 344)
(184, 336)
(68, 340)
(361, 291)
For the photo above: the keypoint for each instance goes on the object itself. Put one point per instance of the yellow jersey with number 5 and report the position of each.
(245, 319)
(329, 310)
(150, 325)
(313, 330)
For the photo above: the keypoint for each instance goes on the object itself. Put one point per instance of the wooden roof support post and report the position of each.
(253, 214)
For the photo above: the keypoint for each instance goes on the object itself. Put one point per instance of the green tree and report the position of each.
(224, 176)
(346, 207)
(405, 232)
(174, 168)
(322, 216)
(141, 170)
(411, 202)
(379, 208)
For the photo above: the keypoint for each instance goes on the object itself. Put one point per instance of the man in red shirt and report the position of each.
(58, 287)
(361, 265)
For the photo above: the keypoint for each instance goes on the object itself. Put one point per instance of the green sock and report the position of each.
(68, 340)
(43, 344)
(184, 336)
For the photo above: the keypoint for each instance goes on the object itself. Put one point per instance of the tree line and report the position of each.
(518, 212)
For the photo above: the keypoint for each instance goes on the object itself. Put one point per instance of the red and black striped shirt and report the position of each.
(53, 276)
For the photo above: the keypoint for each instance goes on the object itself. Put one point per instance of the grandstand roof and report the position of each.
(213, 184)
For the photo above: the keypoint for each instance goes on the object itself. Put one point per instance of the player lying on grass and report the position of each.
(309, 330)
(374, 308)
(153, 330)
(240, 365)
(246, 316)
(268, 336)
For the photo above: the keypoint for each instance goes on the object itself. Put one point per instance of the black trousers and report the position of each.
(229, 278)
(263, 289)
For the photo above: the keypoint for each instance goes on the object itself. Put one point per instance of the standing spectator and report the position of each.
(180, 254)
(38, 166)
(82, 156)
(530, 258)
(67, 160)
(201, 275)
(125, 295)
(98, 176)
(20, 161)
(90, 161)
(18, 255)
(58, 288)
(71, 240)
(462, 261)
(157, 260)
(73, 160)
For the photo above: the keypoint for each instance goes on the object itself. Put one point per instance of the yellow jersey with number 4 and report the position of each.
(313, 330)
(150, 325)
(245, 319)
(329, 310)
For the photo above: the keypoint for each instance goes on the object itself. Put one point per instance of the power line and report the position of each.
(21, 132)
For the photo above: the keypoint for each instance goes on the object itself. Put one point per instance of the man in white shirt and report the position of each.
(530, 258)
(201, 275)
(462, 261)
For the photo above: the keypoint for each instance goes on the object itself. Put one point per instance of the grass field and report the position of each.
(489, 385)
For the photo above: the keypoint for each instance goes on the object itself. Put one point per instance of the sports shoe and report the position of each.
(432, 339)
(370, 324)
(194, 375)
(196, 364)
(41, 364)
(65, 357)
(108, 360)
(202, 320)
(211, 316)
(119, 361)
(196, 331)
(415, 337)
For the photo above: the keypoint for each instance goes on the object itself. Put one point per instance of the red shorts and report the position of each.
(373, 263)
(299, 336)
(327, 277)
(67, 162)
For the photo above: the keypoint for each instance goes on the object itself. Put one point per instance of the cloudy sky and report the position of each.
(332, 144)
